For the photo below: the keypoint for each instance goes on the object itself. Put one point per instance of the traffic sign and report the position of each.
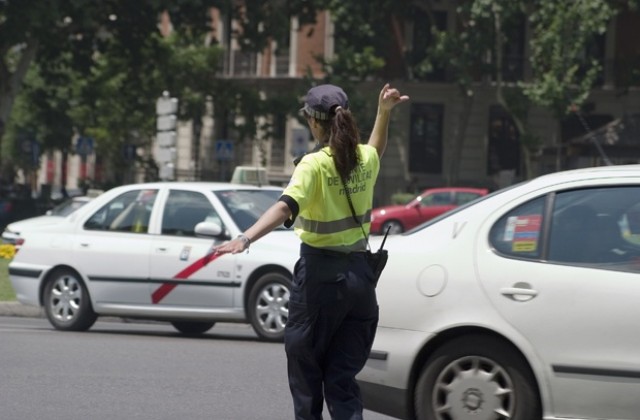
(166, 138)
(84, 146)
(166, 122)
(224, 150)
(165, 154)
(166, 105)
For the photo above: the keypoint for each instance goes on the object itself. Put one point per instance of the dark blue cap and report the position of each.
(321, 101)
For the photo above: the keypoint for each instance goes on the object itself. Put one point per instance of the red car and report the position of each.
(431, 203)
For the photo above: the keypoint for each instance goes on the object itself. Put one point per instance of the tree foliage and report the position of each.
(563, 72)
(97, 68)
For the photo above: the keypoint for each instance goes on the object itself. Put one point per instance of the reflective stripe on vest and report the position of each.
(334, 226)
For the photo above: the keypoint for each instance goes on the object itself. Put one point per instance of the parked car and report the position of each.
(135, 252)
(520, 305)
(431, 203)
(11, 233)
(14, 208)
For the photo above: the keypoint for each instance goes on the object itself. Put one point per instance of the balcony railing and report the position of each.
(245, 64)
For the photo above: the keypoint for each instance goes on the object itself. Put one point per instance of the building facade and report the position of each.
(423, 151)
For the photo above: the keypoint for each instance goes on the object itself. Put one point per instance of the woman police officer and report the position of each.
(333, 311)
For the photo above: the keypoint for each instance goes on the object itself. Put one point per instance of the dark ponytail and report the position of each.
(344, 138)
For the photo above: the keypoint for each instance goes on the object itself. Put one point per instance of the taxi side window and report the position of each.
(129, 212)
(519, 233)
(597, 227)
(184, 210)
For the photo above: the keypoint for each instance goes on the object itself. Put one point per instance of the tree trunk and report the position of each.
(459, 134)
(11, 82)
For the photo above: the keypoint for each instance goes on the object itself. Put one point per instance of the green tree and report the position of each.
(562, 74)
(98, 67)
(370, 44)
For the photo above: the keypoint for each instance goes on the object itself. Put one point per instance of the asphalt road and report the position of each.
(147, 371)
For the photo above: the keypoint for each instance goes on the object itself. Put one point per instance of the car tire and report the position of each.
(476, 378)
(268, 306)
(67, 304)
(394, 227)
(193, 327)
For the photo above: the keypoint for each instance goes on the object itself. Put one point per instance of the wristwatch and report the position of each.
(245, 239)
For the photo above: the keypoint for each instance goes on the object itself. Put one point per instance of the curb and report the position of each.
(13, 308)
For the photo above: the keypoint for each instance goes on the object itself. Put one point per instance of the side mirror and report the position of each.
(209, 230)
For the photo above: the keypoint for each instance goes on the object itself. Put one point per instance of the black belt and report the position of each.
(306, 249)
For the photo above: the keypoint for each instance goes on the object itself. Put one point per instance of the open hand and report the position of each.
(390, 97)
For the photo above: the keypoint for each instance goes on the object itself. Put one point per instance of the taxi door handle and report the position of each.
(161, 249)
(520, 292)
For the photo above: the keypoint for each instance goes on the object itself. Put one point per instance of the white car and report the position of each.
(11, 233)
(134, 252)
(521, 305)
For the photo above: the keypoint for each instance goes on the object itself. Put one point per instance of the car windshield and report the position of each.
(461, 207)
(66, 208)
(246, 206)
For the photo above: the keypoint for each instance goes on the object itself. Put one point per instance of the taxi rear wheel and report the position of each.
(268, 306)
(476, 378)
(192, 327)
(66, 301)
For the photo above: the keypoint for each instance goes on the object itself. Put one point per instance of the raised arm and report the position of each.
(388, 98)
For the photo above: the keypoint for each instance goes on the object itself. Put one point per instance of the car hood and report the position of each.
(280, 240)
(33, 222)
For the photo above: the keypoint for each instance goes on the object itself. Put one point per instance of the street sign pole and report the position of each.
(165, 145)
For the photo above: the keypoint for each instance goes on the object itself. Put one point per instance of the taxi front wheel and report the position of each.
(476, 378)
(268, 306)
(66, 301)
(192, 327)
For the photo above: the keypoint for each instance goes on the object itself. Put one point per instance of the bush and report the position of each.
(7, 251)
(402, 198)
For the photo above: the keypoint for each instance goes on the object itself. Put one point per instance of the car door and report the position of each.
(112, 249)
(575, 301)
(181, 274)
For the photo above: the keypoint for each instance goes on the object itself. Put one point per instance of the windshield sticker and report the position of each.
(523, 232)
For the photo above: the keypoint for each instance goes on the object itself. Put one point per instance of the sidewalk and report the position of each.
(14, 308)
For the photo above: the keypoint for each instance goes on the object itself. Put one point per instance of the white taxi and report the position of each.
(521, 305)
(135, 252)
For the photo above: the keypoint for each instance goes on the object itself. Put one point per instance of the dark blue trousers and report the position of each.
(333, 315)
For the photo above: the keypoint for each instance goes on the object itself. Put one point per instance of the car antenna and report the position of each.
(592, 137)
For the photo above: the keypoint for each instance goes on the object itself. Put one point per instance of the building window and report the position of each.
(423, 27)
(595, 50)
(504, 143)
(281, 56)
(425, 141)
(513, 50)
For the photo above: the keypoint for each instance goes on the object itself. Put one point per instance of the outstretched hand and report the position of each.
(390, 97)
(234, 246)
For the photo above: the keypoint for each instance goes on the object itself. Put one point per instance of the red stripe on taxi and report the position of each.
(166, 288)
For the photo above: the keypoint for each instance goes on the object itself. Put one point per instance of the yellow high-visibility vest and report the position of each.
(325, 219)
